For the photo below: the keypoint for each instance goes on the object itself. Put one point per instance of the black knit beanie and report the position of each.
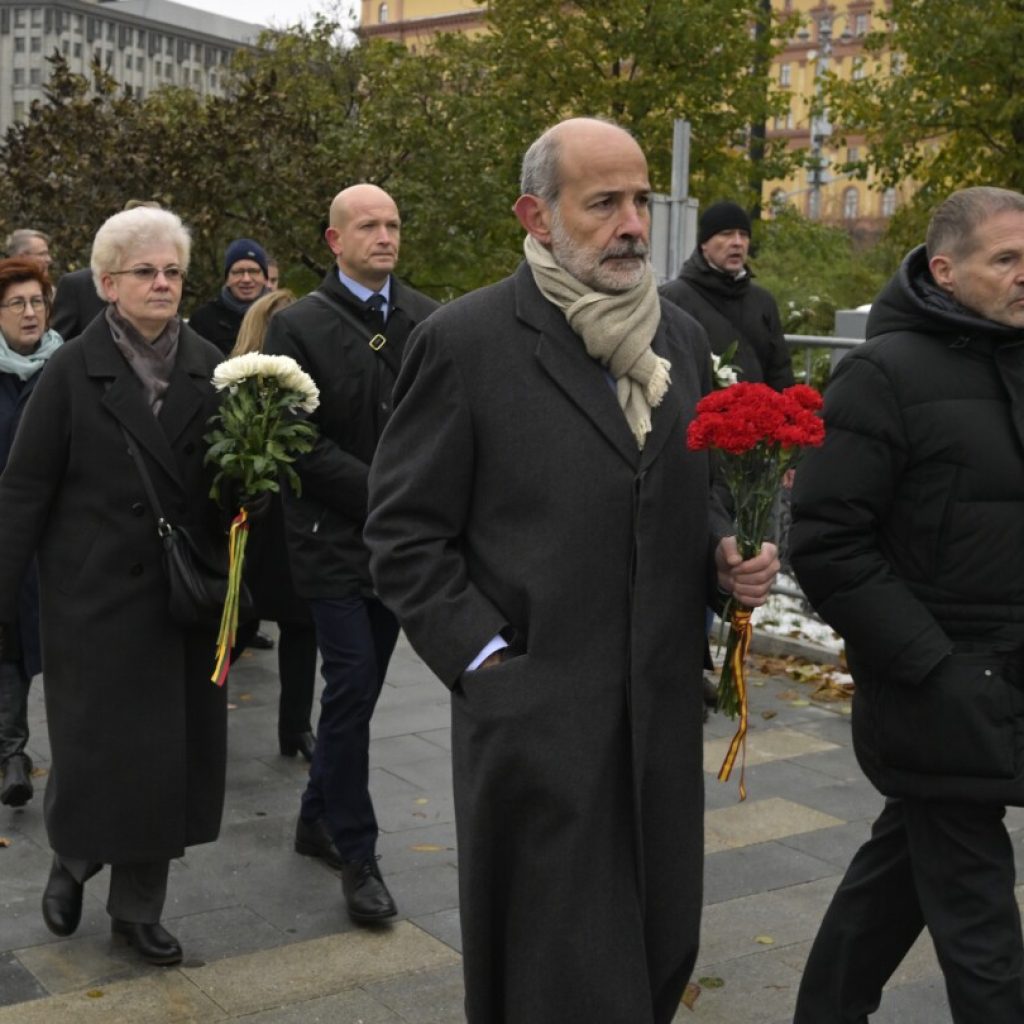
(245, 249)
(723, 216)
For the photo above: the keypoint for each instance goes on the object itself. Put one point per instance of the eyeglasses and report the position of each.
(149, 274)
(245, 272)
(20, 304)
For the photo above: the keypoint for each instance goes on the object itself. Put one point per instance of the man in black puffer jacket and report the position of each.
(716, 288)
(908, 538)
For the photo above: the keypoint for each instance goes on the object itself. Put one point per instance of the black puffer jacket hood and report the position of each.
(912, 301)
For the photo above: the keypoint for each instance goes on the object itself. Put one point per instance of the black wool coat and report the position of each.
(908, 537)
(76, 303)
(218, 323)
(739, 311)
(14, 394)
(508, 495)
(326, 333)
(137, 730)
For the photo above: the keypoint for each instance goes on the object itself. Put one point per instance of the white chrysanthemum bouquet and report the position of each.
(256, 435)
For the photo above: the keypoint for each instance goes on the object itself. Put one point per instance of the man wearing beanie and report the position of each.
(716, 288)
(245, 280)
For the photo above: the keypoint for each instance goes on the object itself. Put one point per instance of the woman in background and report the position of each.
(26, 343)
(269, 578)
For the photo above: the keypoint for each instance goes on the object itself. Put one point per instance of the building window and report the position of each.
(65, 47)
(110, 31)
(899, 62)
(785, 75)
(852, 154)
(851, 199)
(78, 50)
(127, 62)
(888, 202)
(19, 17)
(860, 24)
(213, 80)
(19, 44)
(859, 71)
(35, 76)
(37, 17)
(140, 63)
(19, 76)
(78, 23)
(36, 44)
(168, 46)
(382, 14)
(140, 38)
(19, 110)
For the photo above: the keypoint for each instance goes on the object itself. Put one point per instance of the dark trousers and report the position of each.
(356, 637)
(296, 669)
(945, 866)
(14, 685)
(137, 891)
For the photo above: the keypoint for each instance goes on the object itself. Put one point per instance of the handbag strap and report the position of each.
(163, 527)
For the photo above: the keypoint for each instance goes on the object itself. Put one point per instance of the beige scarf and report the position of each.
(617, 329)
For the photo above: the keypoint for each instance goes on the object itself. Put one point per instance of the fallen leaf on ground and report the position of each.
(712, 982)
(95, 993)
(422, 800)
(690, 995)
(765, 940)
(245, 696)
(427, 848)
(768, 714)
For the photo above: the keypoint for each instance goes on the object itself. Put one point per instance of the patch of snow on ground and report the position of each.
(786, 614)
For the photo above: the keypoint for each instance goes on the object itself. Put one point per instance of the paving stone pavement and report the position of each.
(266, 939)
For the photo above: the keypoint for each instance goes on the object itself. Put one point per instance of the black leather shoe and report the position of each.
(17, 788)
(302, 743)
(155, 944)
(261, 642)
(366, 895)
(313, 840)
(62, 900)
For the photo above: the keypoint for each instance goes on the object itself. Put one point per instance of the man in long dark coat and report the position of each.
(908, 537)
(542, 533)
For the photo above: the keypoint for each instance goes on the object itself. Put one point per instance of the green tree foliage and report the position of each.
(951, 113)
(644, 64)
(444, 131)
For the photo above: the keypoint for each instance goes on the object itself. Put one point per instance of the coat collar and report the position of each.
(561, 354)
(123, 396)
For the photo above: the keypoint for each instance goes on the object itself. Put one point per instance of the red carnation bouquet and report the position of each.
(758, 433)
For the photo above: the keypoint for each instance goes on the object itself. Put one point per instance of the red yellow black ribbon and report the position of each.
(744, 631)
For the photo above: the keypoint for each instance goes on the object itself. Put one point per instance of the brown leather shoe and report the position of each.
(366, 895)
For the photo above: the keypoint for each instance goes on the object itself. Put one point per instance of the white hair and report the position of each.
(129, 231)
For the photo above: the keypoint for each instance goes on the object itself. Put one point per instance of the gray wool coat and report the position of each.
(137, 730)
(509, 495)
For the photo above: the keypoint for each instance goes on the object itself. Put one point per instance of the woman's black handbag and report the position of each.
(197, 585)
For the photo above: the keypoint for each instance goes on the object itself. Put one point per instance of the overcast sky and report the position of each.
(266, 12)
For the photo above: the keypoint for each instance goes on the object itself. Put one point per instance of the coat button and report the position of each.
(136, 569)
(189, 448)
(138, 508)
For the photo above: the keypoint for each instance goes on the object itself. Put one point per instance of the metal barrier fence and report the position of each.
(811, 343)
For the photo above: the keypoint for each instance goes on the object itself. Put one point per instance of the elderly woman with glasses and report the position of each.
(25, 346)
(137, 730)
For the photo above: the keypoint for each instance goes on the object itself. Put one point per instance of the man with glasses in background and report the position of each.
(245, 280)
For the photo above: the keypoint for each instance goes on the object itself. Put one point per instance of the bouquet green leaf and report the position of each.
(255, 437)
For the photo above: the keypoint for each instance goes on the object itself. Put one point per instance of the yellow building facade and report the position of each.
(828, 38)
(414, 22)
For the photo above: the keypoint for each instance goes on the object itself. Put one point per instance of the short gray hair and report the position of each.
(541, 175)
(131, 230)
(18, 241)
(951, 230)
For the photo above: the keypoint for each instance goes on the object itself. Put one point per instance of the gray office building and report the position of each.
(144, 44)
